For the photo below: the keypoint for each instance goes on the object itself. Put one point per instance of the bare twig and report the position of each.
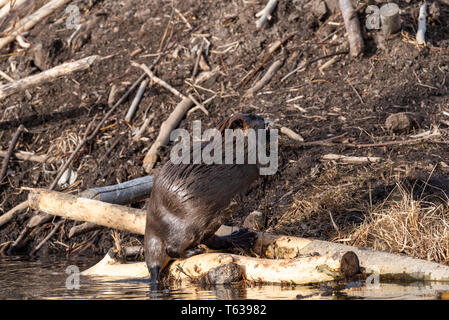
(47, 237)
(12, 145)
(266, 78)
(270, 53)
(292, 134)
(265, 13)
(135, 103)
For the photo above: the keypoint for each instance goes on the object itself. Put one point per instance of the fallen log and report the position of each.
(83, 209)
(123, 193)
(45, 76)
(386, 265)
(292, 271)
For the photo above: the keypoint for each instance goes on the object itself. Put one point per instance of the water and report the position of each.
(22, 278)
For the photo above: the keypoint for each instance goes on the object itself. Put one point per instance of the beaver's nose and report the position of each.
(269, 123)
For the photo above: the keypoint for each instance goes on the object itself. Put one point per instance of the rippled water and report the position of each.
(21, 278)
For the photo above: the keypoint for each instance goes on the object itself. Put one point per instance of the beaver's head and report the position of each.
(243, 121)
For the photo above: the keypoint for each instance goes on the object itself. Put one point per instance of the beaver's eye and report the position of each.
(237, 124)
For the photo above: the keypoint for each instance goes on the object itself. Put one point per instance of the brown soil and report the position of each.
(353, 96)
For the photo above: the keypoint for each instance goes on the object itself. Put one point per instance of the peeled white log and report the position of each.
(420, 35)
(83, 209)
(292, 271)
(386, 265)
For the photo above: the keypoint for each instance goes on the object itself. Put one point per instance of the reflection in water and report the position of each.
(22, 278)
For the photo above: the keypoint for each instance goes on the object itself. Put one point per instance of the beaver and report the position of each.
(187, 202)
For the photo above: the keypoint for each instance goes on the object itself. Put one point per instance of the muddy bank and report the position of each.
(308, 196)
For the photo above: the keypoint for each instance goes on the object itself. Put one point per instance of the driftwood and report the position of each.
(123, 193)
(292, 271)
(386, 265)
(30, 21)
(352, 28)
(164, 134)
(48, 75)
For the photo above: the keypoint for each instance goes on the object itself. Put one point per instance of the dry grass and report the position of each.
(417, 228)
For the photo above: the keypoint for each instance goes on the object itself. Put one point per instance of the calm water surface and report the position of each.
(22, 278)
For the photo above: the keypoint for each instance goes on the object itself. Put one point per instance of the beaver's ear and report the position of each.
(235, 122)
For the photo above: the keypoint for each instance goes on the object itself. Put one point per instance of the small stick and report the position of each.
(30, 21)
(12, 145)
(83, 228)
(292, 134)
(164, 84)
(183, 18)
(6, 77)
(352, 27)
(357, 93)
(114, 144)
(6, 217)
(251, 74)
(137, 98)
(47, 75)
(21, 155)
(266, 78)
(47, 237)
(420, 35)
(157, 80)
(199, 53)
(265, 13)
(112, 94)
(143, 127)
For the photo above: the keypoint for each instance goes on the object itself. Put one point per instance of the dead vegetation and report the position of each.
(414, 227)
